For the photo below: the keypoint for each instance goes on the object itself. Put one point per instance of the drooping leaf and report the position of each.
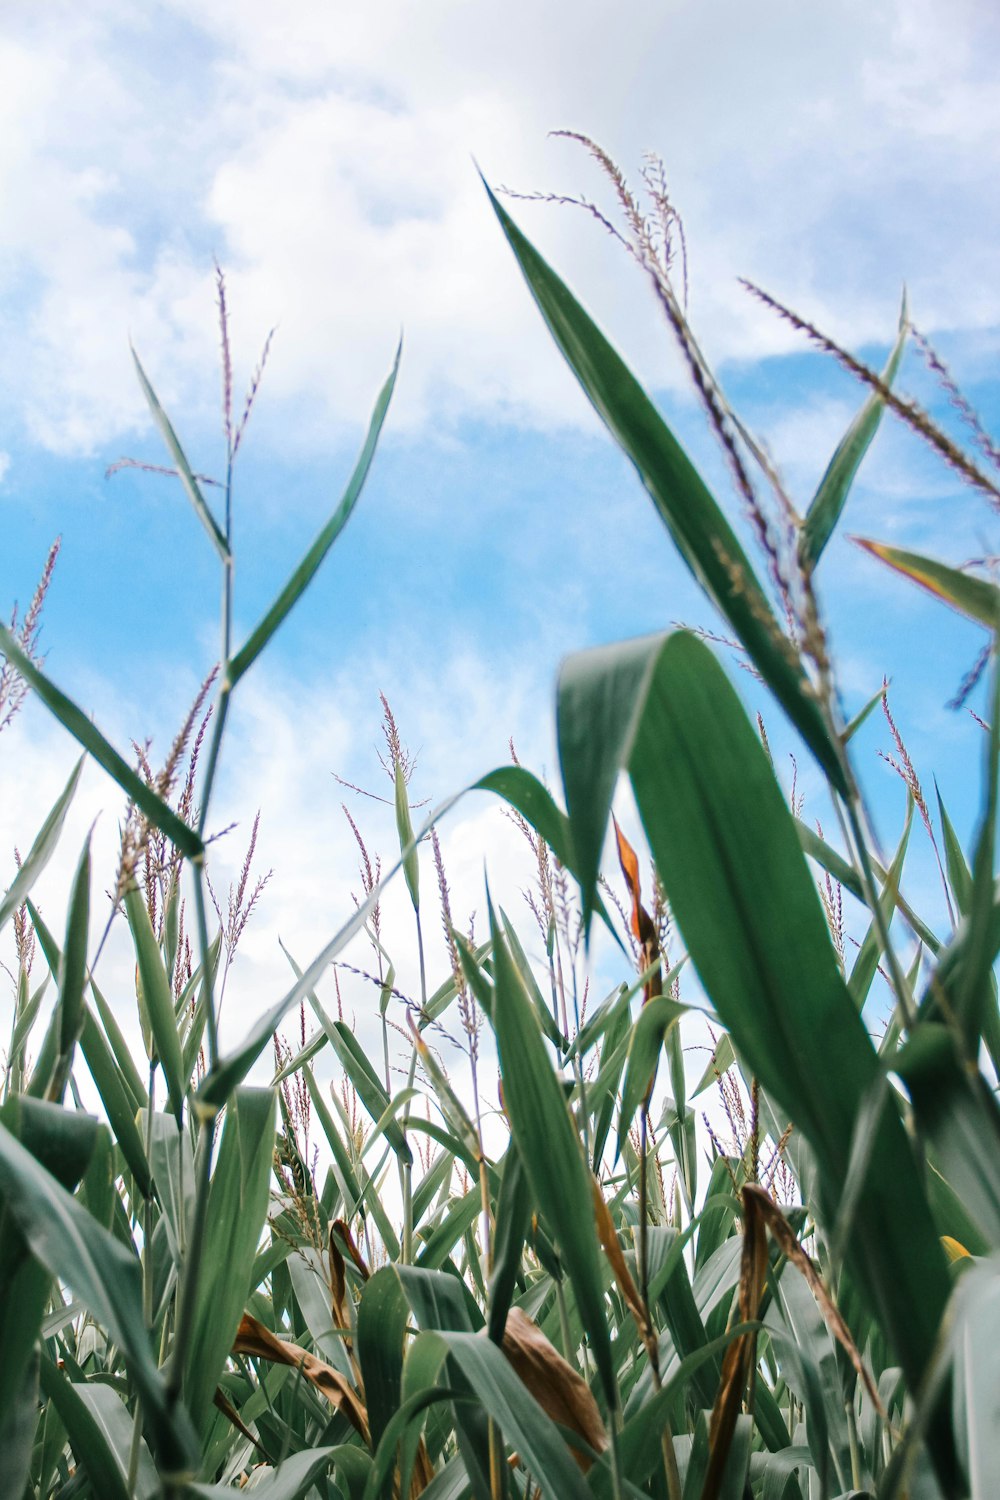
(68, 1242)
(76, 722)
(184, 470)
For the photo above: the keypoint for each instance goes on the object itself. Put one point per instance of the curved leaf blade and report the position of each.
(311, 563)
(698, 527)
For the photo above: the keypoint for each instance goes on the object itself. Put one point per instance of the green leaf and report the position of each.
(699, 529)
(349, 1187)
(19, 1419)
(869, 954)
(959, 874)
(87, 1434)
(976, 1397)
(835, 486)
(729, 857)
(42, 849)
(404, 827)
(656, 1016)
(73, 971)
(157, 997)
(75, 721)
(62, 1142)
(550, 1150)
(965, 592)
(513, 1215)
(383, 1314)
(957, 1115)
(68, 1242)
(364, 1078)
(120, 1112)
(291, 1480)
(310, 564)
(517, 1413)
(181, 464)
(237, 1210)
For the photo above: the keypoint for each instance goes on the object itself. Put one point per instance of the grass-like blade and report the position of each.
(549, 1147)
(517, 1413)
(87, 1435)
(184, 470)
(75, 721)
(834, 488)
(157, 997)
(237, 1209)
(73, 971)
(699, 529)
(289, 1481)
(310, 564)
(383, 1314)
(729, 857)
(41, 850)
(86, 1258)
(965, 592)
(656, 1016)
(976, 1344)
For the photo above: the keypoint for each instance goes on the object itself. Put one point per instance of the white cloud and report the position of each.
(4, 465)
(828, 153)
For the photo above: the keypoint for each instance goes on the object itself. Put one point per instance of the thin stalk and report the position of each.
(855, 837)
(408, 1165)
(211, 1019)
(643, 1211)
(852, 1439)
(147, 1284)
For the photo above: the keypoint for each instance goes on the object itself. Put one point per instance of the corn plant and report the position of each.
(394, 1286)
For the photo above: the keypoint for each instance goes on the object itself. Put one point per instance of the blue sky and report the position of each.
(327, 163)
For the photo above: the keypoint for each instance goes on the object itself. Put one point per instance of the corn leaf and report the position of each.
(184, 470)
(76, 722)
(311, 563)
(965, 592)
(41, 850)
(727, 851)
(834, 488)
(699, 529)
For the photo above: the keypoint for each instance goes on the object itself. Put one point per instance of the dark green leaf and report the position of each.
(701, 532)
(834, 488)
(90, 737)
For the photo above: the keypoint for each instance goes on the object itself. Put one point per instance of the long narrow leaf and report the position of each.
(310, 564)
(42, 849)
(184, 470)
(701, 532)
(75, 721)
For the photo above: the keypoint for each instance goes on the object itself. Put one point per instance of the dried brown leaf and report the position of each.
(559, 1390)
(254, 1338)
(784, 1236)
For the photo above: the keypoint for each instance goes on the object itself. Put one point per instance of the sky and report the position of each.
(327, 159)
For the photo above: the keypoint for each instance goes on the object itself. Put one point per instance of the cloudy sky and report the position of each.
(325, 156)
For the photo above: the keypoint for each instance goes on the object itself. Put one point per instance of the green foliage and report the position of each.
(549, 1297)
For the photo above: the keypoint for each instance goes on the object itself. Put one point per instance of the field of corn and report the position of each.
(410, 1289)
